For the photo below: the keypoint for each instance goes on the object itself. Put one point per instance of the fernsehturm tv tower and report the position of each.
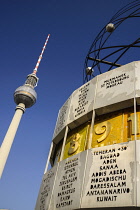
(24, 96)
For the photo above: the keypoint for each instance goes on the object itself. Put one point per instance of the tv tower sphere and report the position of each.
(26, 94)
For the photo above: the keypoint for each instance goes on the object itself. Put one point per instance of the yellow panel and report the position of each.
(57, 153)
(76, 141)
(116, 127)
(108, 129)
(133, 132)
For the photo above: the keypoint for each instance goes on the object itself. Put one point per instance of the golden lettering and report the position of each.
(103, 128)
(131, 119)
(74, 143)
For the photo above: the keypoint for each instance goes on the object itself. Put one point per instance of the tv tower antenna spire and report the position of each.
(40, 57)
(24, 96)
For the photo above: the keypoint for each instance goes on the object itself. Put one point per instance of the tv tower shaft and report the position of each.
(24, 96)
(10, 135)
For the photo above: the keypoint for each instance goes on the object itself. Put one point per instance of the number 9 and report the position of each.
(103, 128)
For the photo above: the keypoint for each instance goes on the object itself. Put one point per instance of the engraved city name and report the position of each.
(109, 179)
(114, 81)
(67, 184)
(82, 100)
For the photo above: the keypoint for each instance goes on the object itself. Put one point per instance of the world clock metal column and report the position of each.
(24, 96)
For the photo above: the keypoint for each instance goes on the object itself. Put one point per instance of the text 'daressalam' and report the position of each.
(109, 179)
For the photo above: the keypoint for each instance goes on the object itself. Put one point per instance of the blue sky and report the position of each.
(24, 26)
